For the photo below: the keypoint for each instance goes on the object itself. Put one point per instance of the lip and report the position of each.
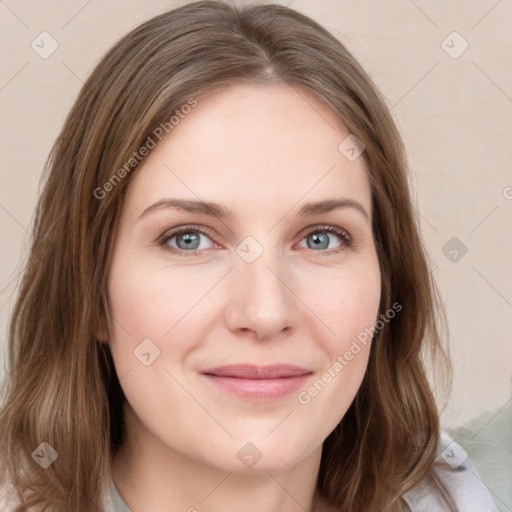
(258, 382)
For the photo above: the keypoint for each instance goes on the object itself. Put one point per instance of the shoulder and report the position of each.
(452, 484)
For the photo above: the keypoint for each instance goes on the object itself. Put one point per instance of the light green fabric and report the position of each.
(113, 501)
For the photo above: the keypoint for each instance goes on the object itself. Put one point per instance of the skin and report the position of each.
(262, 152)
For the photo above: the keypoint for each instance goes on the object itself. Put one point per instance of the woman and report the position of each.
(227, 298)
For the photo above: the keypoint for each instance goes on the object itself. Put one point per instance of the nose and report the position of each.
(261, 300)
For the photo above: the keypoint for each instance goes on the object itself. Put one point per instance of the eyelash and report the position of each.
(346, 241)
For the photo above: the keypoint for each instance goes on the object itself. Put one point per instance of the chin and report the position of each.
(267, 456)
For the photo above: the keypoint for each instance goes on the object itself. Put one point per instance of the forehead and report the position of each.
(252, 144)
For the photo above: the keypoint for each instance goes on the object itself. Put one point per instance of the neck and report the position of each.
(150, 475)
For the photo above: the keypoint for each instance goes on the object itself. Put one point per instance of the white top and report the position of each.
(452, 485)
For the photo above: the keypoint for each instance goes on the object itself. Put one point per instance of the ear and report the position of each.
(102, 336)
(102, 327)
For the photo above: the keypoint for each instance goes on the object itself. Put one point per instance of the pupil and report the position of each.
(191, 240)
(320, 241)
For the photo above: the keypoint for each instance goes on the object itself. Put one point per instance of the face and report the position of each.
(243, 271)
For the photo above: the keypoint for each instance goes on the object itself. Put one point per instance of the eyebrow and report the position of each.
(192, 206)
(219, 211)
(331, 204)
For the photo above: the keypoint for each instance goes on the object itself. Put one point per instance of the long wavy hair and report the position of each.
(61, 386)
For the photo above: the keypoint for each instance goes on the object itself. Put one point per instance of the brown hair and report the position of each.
(61, 386)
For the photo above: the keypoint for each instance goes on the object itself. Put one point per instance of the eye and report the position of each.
(323, 237)
(191, 240)
(187, 239)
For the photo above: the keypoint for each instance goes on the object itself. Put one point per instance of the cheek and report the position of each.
(347, 303)
(349, 306)
(150, 300)
(150, 309)
(163, 304)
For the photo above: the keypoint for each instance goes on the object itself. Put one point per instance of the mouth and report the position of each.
(260, 383)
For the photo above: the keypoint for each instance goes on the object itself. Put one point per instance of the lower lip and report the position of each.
(259, 389)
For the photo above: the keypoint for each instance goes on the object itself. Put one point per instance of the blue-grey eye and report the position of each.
(188, 240)
(321, 238)
(318, 241)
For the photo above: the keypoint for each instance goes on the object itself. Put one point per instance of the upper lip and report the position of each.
(248, 371)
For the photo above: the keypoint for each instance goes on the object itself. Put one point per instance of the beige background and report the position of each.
(455, 115)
